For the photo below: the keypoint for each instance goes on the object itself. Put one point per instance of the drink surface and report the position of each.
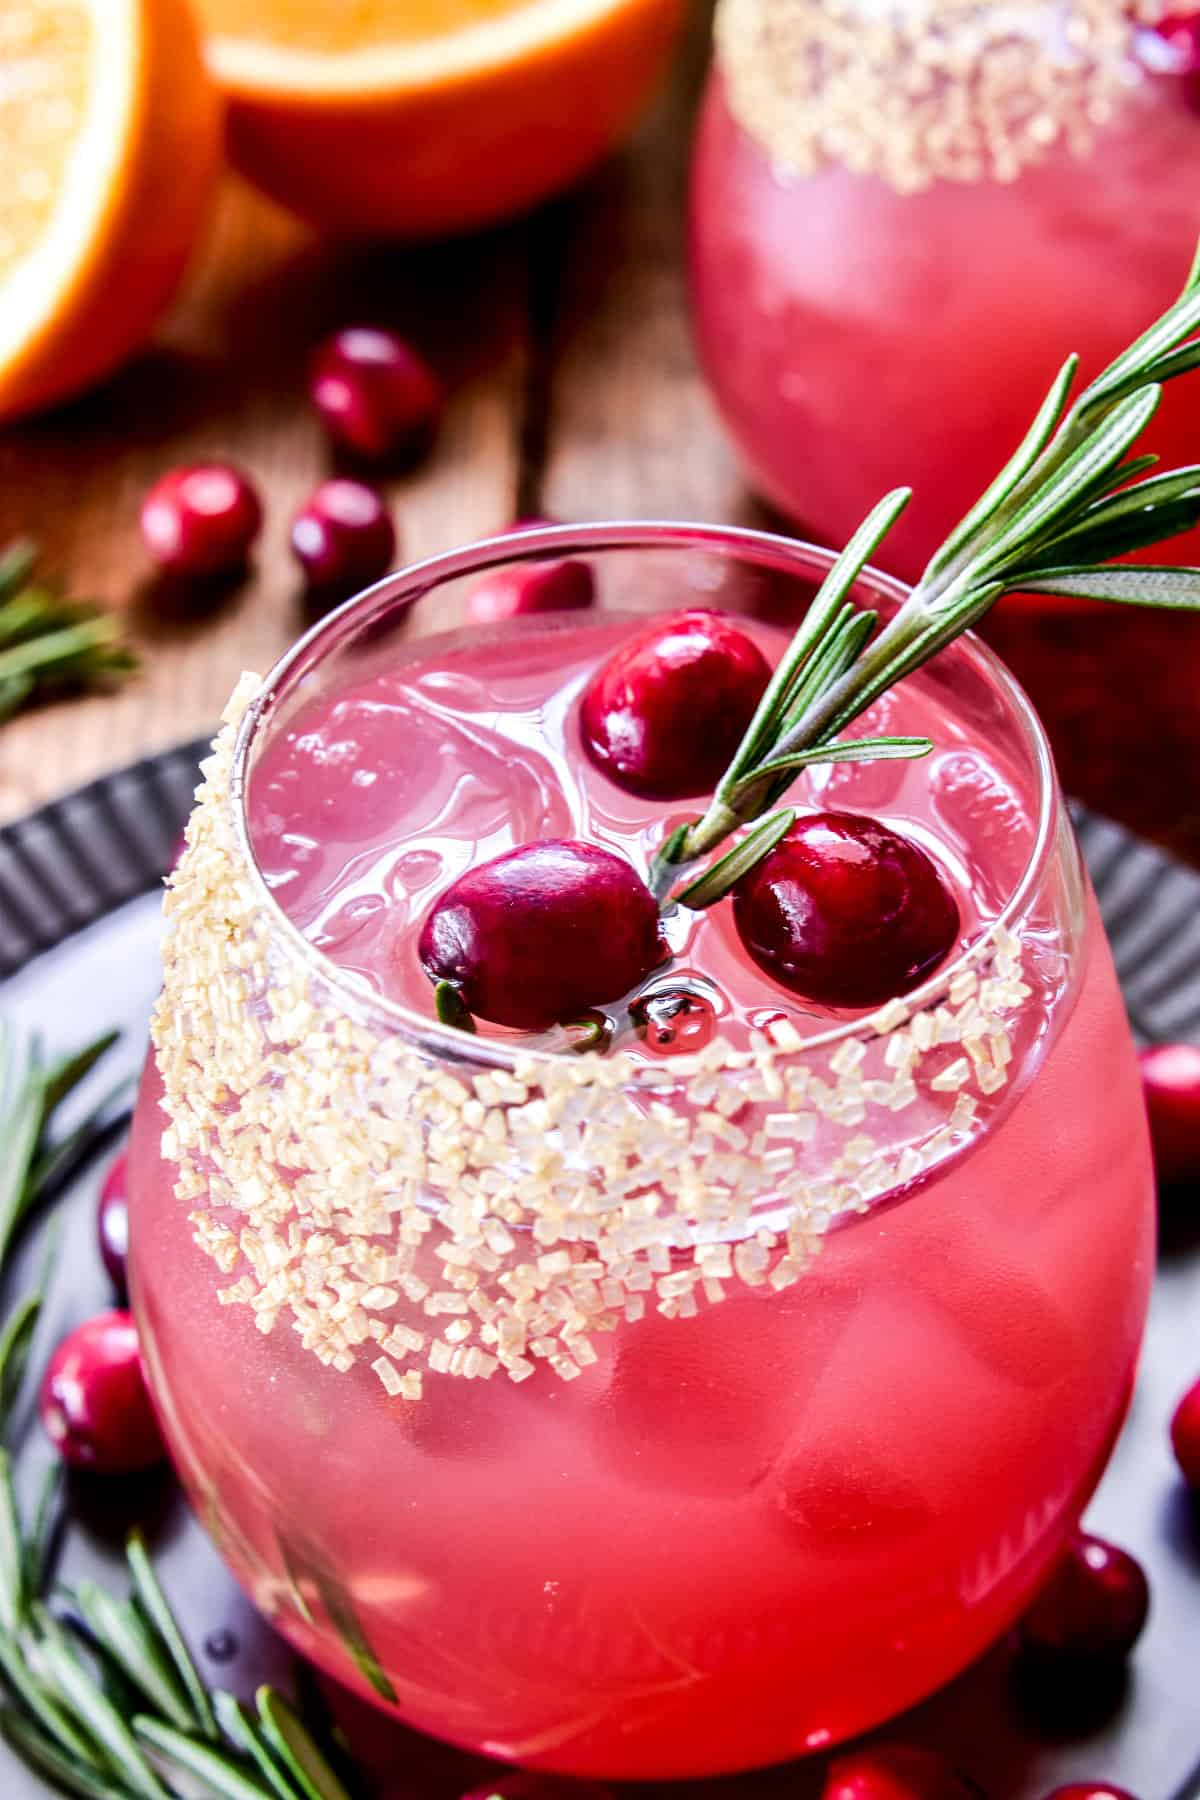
(376, 797)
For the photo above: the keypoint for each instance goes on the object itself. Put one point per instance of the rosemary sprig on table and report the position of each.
(49, 645)
(99, 1694)
(1069, 500)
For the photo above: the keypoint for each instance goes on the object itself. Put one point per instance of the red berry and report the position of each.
(374, 393)
(1090, 1790)
(343, 538)
(542, 933)
(1093, 1606)
(845, 911)
(674, 1021)
(895, 1772)
(112, 1221)
(1185, 1436)
(531, 588)
(201, 521)
(665, 714)
(94, 1403)
(1171, 1085)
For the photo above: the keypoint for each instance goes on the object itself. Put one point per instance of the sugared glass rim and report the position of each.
(765, 549)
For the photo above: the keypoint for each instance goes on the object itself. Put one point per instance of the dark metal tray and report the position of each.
(78, 939)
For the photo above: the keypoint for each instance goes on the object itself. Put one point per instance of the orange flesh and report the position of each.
(348, 25)
(45, 54)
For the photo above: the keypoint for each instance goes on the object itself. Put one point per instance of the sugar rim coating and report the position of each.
(422, 1215)
(919, 91)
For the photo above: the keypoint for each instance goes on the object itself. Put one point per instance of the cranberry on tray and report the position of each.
(543, 933)
(93, 1402)
(895, 1772)
(1185, 1436)
(1093, 1607)
(665, 714)
(1171, 1085)
(845, 911)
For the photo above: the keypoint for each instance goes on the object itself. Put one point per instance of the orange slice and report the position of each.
(111, 135)
(416, 117)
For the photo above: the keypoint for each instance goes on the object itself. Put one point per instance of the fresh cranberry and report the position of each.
(674, 1021)
(1090, 1790)
(845, 911)
(1185, 1436)
(665, 714)
(1094, 1605)
(374, 393)
(531, 588)
(94, 1403)
(343, 537)
(895, 1772)
(112, 1221)
(542, 933)
(1171, 1085)
(201, 521)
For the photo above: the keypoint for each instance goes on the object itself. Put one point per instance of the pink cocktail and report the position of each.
(888, 265)
(663, 1411)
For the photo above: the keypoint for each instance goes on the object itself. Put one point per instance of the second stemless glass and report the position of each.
(847, 1325)
(885, 283)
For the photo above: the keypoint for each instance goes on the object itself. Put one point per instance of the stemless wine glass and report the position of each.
(638, 1420)
(902, 222)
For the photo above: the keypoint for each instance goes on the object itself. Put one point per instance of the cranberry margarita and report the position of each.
(750, 1521)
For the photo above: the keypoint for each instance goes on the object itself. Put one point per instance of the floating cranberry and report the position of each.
(542, 933)
(201, 521)
(1090, 1790)
(895, 1772)
(376, 396)
(112, 1221)
(94, 1403)
(343, 538)
(1171, 1085)
(845, 911)
(664, 715)
(675, 1021)
(1093, 1607)
(540, 587)
(1185, 1436)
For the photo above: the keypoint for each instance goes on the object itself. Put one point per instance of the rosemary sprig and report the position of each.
(112, 1707)
(1069, 500)
(48, 644)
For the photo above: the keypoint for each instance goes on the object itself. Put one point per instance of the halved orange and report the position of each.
(111, 142)
(418, 117)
